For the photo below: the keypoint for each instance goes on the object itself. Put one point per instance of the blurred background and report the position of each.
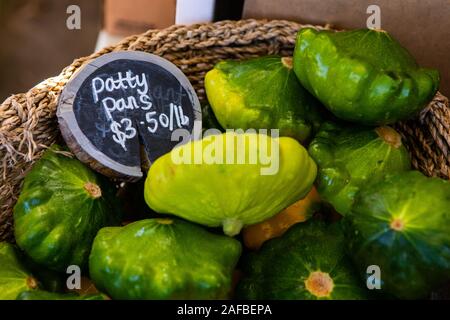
(37, 44)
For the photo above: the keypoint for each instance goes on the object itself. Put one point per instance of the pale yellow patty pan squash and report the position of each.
(216, 192)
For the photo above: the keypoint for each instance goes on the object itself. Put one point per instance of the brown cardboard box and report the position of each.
(123, 18)
(422, 26)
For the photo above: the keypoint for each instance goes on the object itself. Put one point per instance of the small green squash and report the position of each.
(218, 192)
(14, 275)
(262, 93)
(163, 259)
(61, 207)
(402, 225)
(350, 157)
(307, 263)
(364, 75)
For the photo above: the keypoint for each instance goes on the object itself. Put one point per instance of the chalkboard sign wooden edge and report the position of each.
(75, 139)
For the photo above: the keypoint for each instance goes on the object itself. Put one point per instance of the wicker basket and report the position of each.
(28, 123)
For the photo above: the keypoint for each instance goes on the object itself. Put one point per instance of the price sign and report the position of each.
(121, 109)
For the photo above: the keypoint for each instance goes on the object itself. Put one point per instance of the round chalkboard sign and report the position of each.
(121, 110)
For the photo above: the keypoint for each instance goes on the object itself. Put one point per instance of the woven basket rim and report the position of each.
(27, 120)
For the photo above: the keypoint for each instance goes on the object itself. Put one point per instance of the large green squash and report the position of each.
(402, 225)
(262, 93)
(61, 207)
(363, 75)
(306, 263)
(350, 157)
(14, 276)
(217, 192)
(163, 259)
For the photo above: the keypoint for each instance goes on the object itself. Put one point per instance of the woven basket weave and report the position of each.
(28, 123)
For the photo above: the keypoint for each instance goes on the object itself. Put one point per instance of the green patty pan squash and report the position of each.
(220, 190)
(163, 259)
(61, 207)
(45, 295)
(15, 278)
(262, 93)
(363, 75)
(350, 157)
(306, 263)
(402, 225)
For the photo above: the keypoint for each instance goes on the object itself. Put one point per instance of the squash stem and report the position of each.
(390, 136)
(32, 283)
(319, 284)
(232, 227)
(397, 224)
(93, 190)
(287, 62)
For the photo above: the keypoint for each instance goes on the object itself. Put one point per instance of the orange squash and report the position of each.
(256, 234)
(87, 287)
